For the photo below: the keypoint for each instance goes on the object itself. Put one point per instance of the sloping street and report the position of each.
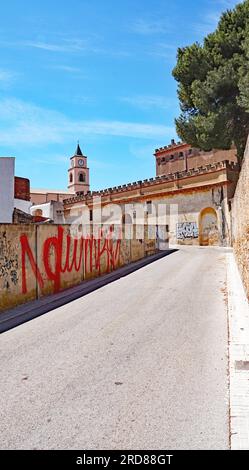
(138, 364)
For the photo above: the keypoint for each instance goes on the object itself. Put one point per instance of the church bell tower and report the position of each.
(78, 173)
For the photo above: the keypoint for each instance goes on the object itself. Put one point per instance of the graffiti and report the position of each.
(8, 263)
(62, 254)
(39, 260)
(187, 230)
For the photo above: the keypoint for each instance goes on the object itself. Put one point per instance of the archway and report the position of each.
(208, 227)
(82, 177)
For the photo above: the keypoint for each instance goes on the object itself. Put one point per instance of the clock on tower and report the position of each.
(78, 174)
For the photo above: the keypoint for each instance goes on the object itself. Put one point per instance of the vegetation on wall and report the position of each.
(213, 85)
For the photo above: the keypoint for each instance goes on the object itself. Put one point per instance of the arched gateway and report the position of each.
(208, 227)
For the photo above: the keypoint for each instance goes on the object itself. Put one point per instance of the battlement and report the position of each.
(172, 146)
(137, 185)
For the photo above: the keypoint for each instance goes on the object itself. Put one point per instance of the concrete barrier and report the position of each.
(36, 261)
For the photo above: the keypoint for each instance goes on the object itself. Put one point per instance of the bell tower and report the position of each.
(78, 173)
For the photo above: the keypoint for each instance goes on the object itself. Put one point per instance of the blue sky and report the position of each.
(94, 70)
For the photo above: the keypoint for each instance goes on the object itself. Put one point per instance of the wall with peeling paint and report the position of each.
(240, 220)
(38, 260)
(189, 226)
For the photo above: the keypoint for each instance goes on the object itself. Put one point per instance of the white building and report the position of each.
(7, 177)
(23, 205)
(52, 210)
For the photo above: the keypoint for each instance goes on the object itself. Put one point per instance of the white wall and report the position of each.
(22, 205)
(7, 175)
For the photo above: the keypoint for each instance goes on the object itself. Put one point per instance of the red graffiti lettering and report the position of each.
(26, 250)
(91, 251)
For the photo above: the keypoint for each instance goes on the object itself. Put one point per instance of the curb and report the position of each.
(238, 317)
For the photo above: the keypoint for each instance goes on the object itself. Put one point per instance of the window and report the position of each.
(190, 151)
(91, 215)
(181, 155)
(149, 207)
(71, 177)
(82, 177)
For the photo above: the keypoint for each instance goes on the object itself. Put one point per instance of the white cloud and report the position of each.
(73, 45)
(6, 77)
(145, 27)
(209, 23)
(66, 45)
(53, 160)
(75, 71)
(149, 101)
(67, 68)
(24, 123)
(164, 50)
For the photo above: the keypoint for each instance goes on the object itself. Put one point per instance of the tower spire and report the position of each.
(78, 152)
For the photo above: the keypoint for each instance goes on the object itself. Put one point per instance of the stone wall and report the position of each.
(38, 260)
(200, 218)
(21, 217)
(240, 220)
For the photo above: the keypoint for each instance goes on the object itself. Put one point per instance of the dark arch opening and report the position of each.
(82, 177)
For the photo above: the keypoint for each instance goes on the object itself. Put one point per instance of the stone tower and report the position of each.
(78, 173)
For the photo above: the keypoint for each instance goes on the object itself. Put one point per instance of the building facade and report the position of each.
(195, 200)
(7, 175)
(182, 157)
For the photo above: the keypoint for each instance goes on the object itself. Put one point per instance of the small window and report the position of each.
(91, 215)
(172, 157)
(181, 155)
(71, 178)
(149, 207)
(82, 177)
(190, 151)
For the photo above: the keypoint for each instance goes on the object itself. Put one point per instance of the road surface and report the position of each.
(138, 364)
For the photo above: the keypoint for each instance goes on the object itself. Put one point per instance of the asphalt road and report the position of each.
(138, 364)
